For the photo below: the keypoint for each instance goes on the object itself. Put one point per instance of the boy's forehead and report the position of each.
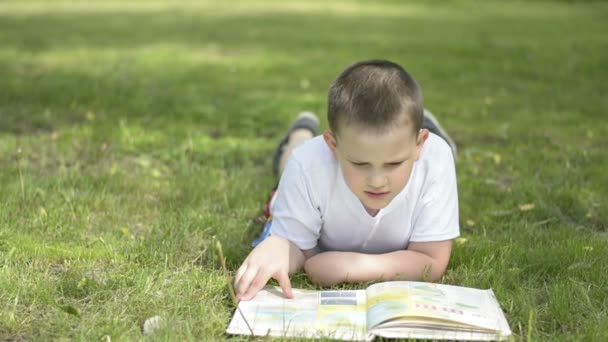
(403, 130)
(358, 142)
(401, 121)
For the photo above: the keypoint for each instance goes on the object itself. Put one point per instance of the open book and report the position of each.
(397, 309)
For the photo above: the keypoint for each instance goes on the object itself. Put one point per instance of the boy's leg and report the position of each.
(432, 124)
(304, 127)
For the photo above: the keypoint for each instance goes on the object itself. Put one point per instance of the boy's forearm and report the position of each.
(402, 265)
(335, 267)
(296, 258)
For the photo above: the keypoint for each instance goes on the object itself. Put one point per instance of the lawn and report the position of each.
(136, 136)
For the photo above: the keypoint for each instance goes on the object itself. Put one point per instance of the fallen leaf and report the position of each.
(113, 169)
(156, 173)
(152, 324)
(82, 283)
(304, 84)
(526, 207)
(497, 158)
(579, 265)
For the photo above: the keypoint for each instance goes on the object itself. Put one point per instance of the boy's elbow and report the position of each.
(437, 274)
(438, 256)
(435, 270)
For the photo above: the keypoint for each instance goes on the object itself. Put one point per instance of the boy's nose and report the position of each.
(376, 180)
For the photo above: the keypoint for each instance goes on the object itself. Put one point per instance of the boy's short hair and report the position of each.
(375, 94)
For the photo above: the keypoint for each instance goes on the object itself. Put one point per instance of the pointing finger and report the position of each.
(285, 283)
(260, 280)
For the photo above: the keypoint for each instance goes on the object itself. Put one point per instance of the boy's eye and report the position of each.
(395, 164)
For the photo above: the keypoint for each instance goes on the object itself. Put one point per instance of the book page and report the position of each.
(431, 304)
(311, 314)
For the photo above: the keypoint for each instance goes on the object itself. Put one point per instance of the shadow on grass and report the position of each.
(237, 75)
(235, 65)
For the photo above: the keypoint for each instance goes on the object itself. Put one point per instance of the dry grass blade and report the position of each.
(220, 253)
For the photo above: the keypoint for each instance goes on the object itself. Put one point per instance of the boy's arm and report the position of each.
(421, 261)
(275, 257)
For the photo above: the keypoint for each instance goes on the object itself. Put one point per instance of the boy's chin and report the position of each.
(374, 205)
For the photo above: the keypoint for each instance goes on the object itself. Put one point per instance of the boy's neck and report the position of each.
(371, 212)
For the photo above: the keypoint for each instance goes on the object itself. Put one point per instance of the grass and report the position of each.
(134, 136)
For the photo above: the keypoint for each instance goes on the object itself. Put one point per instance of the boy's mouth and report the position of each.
(376, 195)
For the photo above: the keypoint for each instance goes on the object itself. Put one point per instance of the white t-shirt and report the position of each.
(314, 208)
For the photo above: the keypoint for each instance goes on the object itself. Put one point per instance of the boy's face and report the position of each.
(376, 166)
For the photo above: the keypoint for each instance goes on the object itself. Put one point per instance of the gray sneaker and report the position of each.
(304, 120)
(432, 124)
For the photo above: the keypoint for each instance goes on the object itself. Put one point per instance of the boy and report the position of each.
(373, 198)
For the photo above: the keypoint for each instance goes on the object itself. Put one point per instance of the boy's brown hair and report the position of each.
(374, 94)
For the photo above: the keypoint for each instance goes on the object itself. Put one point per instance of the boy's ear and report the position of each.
(330, 140)
(422, 136)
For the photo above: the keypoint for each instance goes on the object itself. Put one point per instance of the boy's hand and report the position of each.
(274, 258)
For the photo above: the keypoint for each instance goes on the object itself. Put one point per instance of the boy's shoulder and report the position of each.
(314, 154)
(314, 164)
(436, 165)
(436, 151)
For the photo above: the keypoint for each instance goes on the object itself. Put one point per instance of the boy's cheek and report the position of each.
(353, 179)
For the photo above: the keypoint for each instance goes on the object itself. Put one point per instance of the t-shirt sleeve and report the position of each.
(295, 213)
(437, 219)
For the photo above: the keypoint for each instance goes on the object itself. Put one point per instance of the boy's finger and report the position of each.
(255, 286)
(244, 282)
(239, 274)
(285, 283)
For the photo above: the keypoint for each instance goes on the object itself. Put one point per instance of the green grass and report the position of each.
(134, 136)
